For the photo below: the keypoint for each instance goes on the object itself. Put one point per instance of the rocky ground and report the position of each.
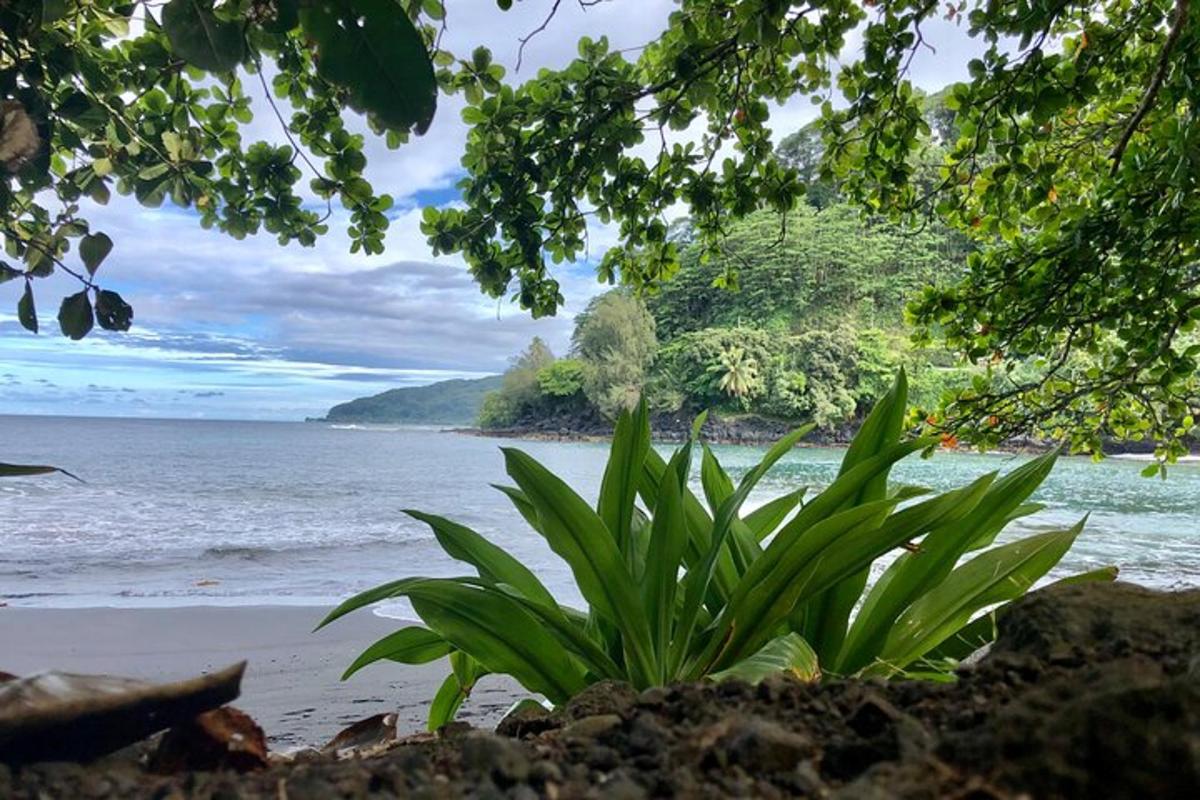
(585, 425)
(1090, 692)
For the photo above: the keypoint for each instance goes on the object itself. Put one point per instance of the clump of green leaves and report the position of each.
(683, 589)
(152, 100)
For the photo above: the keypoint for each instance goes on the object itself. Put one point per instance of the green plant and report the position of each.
(562, 379)
(681, 591)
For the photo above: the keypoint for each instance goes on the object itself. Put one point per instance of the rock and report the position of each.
(224, 738)
(526, 718)
(605, 697)
(6, 676)
(503, 759)
(758, 746)
(368, 734)
(592, 727)
(65, 717)
(1071, 625)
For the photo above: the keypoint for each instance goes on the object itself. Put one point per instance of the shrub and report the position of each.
(681, 591)
(562, 379)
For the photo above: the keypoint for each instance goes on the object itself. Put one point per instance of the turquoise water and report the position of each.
(186, 512)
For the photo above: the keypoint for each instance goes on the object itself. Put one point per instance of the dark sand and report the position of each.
(292, 685)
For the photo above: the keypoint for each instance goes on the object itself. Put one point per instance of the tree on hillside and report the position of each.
(520, 391)
(614, 338)
(740, 376)
(830, 266)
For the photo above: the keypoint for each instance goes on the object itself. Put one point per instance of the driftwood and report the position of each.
(56, 716)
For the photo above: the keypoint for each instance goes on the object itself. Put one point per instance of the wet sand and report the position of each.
(292, 685)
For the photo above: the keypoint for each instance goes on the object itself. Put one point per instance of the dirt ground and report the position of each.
(1090, 691)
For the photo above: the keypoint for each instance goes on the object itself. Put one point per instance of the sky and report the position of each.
(251, 330)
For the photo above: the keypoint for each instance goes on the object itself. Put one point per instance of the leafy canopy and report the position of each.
(151, 100)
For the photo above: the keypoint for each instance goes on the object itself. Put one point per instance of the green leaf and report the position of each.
(912, 574)
(411, 645)
(997, 575)
(697, 580)
(499, 634)
(570, 628)
(786, 653)
(22, 470)
(112, 312)
(493, 563)
(763, 520)
(668, 540)
(75, 315)
(199, 38)
(982, 630)
(618, 489)
(716, 482)
(454, 690)
(371, 48)
(446, 702)
(384, 591)
(576, 533)
(26, 312)
(827, 616)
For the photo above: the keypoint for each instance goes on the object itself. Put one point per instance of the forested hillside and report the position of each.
(453, 402)
(801, 319)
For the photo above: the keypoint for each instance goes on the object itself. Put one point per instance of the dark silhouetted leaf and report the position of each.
(112, 312)
(372, 48)
(201, 39)
(75, 315)
(93, 249)
(25, 310)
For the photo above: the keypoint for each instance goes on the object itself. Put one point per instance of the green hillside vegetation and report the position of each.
(452, 402)
(813, 328)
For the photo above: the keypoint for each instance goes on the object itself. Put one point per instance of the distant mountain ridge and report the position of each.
(452, 402)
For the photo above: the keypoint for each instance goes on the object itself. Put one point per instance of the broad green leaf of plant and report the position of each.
(788, 653)
(580, 537)
(26, 312)
(995, 576)
(411, 645)
(499, 634)
(494, 564)
(93, 249)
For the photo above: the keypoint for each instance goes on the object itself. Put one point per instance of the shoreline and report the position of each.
(1129, 451)
(293, 685)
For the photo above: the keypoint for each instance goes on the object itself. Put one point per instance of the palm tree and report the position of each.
(740, 376)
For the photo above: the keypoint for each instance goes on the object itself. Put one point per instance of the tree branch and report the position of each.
(1156, 82)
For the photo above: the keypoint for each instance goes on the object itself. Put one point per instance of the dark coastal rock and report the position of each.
(1090, 691)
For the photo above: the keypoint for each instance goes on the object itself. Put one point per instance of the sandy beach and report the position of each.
(292, 685)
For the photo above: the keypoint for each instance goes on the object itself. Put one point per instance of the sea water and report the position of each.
(176, 512)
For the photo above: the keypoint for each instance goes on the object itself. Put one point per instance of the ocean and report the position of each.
(177, 512)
